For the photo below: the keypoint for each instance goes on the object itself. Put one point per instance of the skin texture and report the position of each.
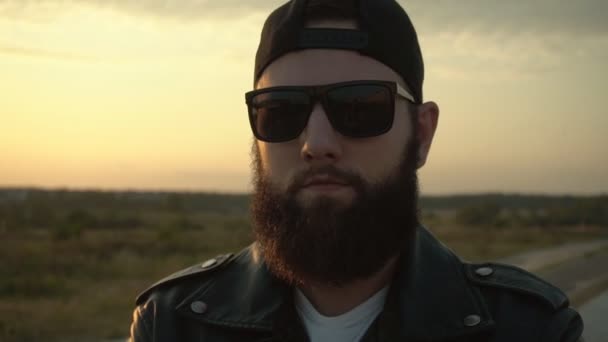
(374, 159)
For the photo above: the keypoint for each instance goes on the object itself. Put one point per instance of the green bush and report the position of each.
(484, 214)
(185, 223)
(65, 231)
(44, 286)
(81, 218)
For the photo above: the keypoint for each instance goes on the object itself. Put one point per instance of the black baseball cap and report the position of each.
(384, 33)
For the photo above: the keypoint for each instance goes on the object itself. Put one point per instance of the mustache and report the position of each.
(348, 177)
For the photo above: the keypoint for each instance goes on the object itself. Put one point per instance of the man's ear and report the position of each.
(428, 115)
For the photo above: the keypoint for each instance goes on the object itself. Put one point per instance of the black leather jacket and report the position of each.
(435, 298)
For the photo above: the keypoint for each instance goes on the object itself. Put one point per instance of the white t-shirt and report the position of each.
(348, 327)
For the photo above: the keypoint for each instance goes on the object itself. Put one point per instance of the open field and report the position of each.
(76, 279)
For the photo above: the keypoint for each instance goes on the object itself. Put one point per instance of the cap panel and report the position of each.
(385, 33)
(394, 41)
(279, 35)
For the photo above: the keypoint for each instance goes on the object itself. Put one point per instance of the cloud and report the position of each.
(509, 40)
(587, 17)
(577, 17)
(498, 56)
(519, 37)
(174, 10)
(8, 49)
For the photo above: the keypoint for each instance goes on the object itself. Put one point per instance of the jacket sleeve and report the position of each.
(566, 326)
(142, 325)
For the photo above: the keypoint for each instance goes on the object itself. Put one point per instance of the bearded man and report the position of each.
(340, 130)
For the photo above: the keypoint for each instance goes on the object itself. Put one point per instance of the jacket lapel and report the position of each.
(430, 298)
(243, 296)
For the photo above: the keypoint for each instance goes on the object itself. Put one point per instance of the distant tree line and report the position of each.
(136, 200)
(587, 211)
(68, 213)
(506, 201)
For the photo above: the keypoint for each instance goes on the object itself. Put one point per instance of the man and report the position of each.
(341, 128)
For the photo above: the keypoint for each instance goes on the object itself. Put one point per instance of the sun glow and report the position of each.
(97, 97)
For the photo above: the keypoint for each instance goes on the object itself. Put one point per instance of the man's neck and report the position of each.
(333, 301)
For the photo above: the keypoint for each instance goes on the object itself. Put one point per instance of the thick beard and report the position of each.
(326, 242)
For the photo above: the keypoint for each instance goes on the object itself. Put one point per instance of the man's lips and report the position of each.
(324, 181)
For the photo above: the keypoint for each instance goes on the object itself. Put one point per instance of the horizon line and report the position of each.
(246, 193)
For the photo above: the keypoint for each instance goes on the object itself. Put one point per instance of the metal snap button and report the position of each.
(484, 271)
(209, 263)
(472, 320)
(198, 307)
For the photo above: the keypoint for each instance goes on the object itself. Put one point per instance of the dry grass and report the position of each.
(83, 287)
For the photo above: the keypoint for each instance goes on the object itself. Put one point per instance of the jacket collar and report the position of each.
(430, 297)
(243, 295)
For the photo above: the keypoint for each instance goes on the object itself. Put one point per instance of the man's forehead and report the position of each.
(280, 67)
(324, 66)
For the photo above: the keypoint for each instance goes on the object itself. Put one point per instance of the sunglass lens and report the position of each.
(279, 115)
(361, 110)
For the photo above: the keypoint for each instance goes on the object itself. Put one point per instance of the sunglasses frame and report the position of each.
(317, 94)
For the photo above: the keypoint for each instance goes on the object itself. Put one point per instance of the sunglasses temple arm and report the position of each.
(403, 93)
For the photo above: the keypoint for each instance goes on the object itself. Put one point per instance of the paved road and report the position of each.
(575, 277)
(574, 274)
(595, 315)
(538, 259)
(575, 268)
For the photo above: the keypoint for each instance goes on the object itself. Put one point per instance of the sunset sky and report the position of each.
(115, 94)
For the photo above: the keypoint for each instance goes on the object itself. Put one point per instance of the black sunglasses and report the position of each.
(356, 109)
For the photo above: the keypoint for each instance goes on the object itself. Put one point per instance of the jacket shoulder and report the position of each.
(517, 281)
(204, 268)
(522, 304)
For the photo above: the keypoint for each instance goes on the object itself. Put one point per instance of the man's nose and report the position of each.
(321, 143)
